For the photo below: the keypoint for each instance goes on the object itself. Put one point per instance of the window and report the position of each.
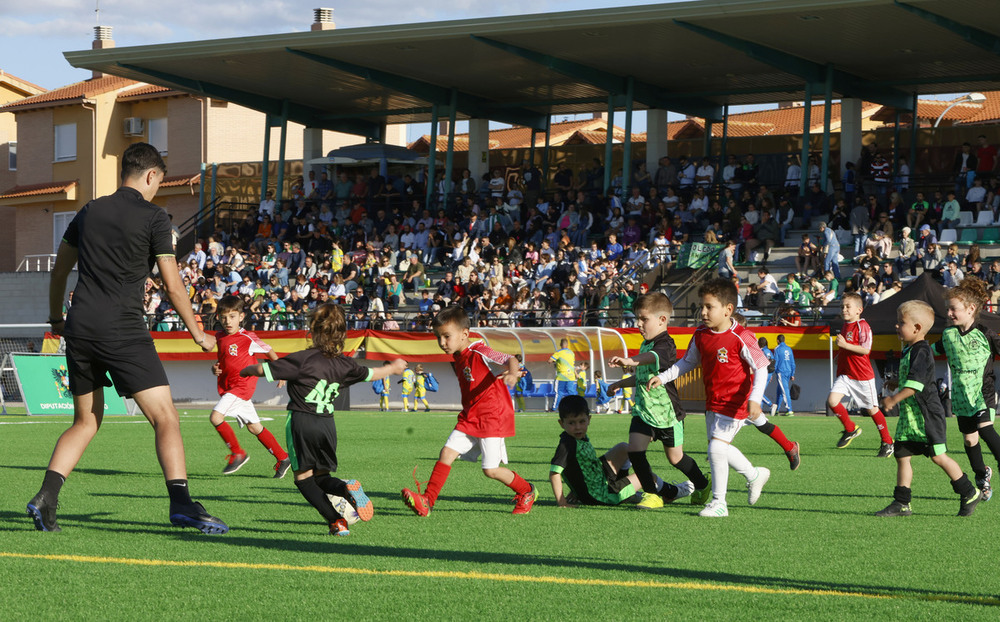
(65, 139)
(60, 220)
(12, 156)
(158, 135)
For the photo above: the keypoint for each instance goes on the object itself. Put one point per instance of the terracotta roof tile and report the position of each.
(180, 180)
(32, 190)
(146, 90)
(516, 137)
(20, 83)
(989, 109)
(67, 94)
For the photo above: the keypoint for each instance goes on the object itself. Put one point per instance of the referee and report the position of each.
(115, 240)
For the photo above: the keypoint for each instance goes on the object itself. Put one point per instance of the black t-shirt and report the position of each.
(315, 381)
(118, 237)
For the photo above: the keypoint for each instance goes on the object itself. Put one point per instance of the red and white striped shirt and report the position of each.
(729, 360)
(237, 351)
(487, 407)
(853, 365)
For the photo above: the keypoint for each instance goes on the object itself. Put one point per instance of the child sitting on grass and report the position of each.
(577, 475)
(487, 416)
(315, 377)
(921, 428)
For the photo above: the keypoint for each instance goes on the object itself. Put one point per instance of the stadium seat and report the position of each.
(948, 236)
(991, 235)
(965, 219)
(969, 236)
(985, 219)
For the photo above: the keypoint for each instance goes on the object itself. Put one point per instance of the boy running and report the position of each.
(487, 416)
(382, 389)
(420, 390)
(855, 377)
(658, 414)
(970, 348)
(238, 349)
(921, 428)
(316, 377)
(409, 383)
(734, 371)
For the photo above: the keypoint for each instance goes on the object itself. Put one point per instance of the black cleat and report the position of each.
(194, 515)
(968, 504)
(885, 451)
(895, 509)
(234, 462)
(43, 512)
(793, 456)
(847, 437)
(282, 467)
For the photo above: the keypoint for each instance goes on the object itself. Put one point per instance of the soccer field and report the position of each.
(810, 549)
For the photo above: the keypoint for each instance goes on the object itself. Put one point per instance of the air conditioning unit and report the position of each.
(133, 126)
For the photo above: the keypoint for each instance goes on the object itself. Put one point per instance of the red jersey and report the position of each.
(236, 352)
(856, 366)
(487, 407)
(728, 362)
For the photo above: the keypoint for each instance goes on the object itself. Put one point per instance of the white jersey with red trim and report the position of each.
(850, 364)
(237, 351)
(487, 407)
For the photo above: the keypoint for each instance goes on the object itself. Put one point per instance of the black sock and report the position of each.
(333, 485)
(902, 494)
(317, 498)
(992, 440)
(690, 469)
(643, 471)
(975, 454)
(178, 491)
(52, 484)
(765, 429)
(963, 487)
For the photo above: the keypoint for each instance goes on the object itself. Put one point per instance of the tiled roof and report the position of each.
(519, 137)
(20, 84)
(989, 110)
(146, 90)
(180, 180)
(928, 110)
(33, 190)
(73, 92)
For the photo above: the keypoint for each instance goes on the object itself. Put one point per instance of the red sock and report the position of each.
(267, 440)
(518, 485)
(883, 429)
(229, 437)
(438, 477)
(779, 437)
(841, 413)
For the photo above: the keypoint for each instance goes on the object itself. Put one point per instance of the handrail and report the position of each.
(35, 263)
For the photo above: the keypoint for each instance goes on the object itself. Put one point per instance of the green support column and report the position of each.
(627, 158)
(265, 162)
(449, 158)
(723, 149)
(607, 144)
(914, 126)
(545, 153)
(432, 157)
(806, 124)
(895, 149)
(824, 169)
(531, 150)
(280, 191)
(706, 147)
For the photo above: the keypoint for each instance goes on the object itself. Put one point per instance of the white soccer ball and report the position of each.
(344, 508)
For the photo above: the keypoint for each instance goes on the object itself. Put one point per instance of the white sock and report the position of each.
(719, 463)
(740, 464)
(759, 421)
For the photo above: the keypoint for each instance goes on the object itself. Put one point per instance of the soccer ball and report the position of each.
(344, 508)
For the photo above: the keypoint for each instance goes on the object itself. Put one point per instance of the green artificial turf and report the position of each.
(810, 549)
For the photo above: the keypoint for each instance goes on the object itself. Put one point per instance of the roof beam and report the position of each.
(305, 115)
(645, 93)
(848, 85)
(472, 105)
(975, 36)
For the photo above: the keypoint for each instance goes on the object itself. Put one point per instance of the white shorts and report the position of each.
(722, 427)
(861, 392)
(232, 406)
(492, 449)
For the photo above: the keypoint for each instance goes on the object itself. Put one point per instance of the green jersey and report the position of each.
(921, 416)
(661, 407)
(970, 358)
(583, 473)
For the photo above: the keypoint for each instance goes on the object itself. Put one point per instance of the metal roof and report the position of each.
(688, 57)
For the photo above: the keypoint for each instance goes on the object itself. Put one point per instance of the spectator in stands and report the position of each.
(986, 156)
(666, 176)
(765, 234)
(793, 177)
(976, 196)
(964, 169)
(727, 269)
(908, 257)
(881, 174)
(807, 259)
(952, 274)
(831, 249)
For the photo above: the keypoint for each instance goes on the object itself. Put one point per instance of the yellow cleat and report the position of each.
(650, 502)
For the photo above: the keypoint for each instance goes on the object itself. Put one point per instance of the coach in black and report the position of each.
(116, 239)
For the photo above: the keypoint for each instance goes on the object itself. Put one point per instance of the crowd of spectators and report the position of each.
(514, 252)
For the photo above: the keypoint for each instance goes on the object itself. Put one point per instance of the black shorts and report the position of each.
(905, 449)
(968, 425)
(134, 365)
(616, 481)
(312, 442)
(664, 435)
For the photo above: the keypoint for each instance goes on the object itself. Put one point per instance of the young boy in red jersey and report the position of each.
(238, 349)
(735, 373)
(855, 377)
(487, 416)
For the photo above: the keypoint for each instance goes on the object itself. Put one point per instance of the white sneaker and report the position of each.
(774, 409)
(755, 486)
(684, 489)
(715, 509)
